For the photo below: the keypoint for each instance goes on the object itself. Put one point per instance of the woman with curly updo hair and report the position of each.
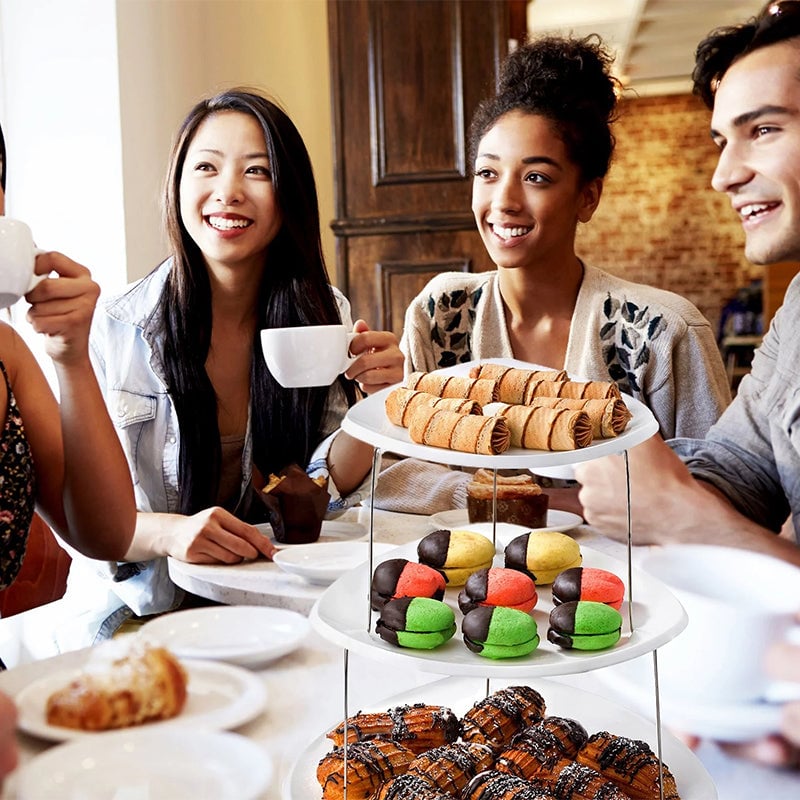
(540, 149)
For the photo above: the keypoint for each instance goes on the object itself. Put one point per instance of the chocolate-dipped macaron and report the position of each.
(588, 583)
(584, 625)
(421, 623)
(497, 632)
(498, 586)
(399, 577)
(457, 554)
(543, 554)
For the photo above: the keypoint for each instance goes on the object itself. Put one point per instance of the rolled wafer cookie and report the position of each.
(482, 390)
(400, 404)
(608, 417)
(467, 433)
(512, 381)
(541, 428)
(580, 390)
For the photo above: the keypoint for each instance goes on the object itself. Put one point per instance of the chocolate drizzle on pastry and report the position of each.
(411, 787)
(579, 782)
(449, 768)
(494, 785)
(495, 719)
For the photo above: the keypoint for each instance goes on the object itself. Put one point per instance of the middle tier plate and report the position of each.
(340, 615)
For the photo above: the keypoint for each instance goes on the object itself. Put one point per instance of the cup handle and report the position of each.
(35, 278)
(350, 358)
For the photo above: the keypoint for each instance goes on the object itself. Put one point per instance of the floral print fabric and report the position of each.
(17, 490)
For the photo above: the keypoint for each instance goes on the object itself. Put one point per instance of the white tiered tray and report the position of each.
(592, 711)
(367, 422)
(340, 615)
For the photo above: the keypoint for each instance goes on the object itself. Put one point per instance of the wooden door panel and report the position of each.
(388, 272)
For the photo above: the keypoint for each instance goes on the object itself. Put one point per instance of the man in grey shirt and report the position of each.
(740, 485)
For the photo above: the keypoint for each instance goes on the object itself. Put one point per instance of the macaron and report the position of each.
(421, 623)
(497, 632)
(498, 586)
(399, 577)
(457, 554)
(543, 554)
(588, 583)
(584, 625)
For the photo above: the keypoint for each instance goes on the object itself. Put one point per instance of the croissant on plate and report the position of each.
(411, 787)
(629, 763)
(418, 727)
(479, 389)
(541, 428)
(609, 417)
(144, 685)
(582, 390)
(369, 765)
(467, 433)
(538, 755)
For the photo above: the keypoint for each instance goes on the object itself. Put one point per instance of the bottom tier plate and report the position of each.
(595, 713)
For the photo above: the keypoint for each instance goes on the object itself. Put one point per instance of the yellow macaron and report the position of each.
(456, 554)
(544, 554)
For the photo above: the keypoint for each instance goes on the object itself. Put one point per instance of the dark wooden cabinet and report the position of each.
(406, 78)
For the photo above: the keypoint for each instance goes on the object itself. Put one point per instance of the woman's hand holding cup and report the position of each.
(380, 360)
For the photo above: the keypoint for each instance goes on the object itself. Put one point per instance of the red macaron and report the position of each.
(588, 583)
(498, 586)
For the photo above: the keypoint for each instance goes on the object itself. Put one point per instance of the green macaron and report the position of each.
(499, 632)
(421, 623)
(584, 625)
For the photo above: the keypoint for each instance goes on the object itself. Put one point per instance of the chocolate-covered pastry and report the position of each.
(579, 782)
(411, 787)
(537, 755)
(495, 719)
(295, 505)
(449, 768)
(494, 785)
(630, 764)
(419, 727)
(571, 735)
(369, 765)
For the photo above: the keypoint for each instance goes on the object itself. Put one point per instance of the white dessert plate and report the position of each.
(742, 722)
(157, 765)
(657, 615)
(332, 531)
(367, 421)
(594, 712)
(237, 634)
(459, 518)
(219, 696)
(323, 562)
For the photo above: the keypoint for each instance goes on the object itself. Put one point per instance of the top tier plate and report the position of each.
(367, 421)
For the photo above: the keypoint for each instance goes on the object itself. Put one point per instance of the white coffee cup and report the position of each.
(310, 355)
(739, 603)
(17, 261)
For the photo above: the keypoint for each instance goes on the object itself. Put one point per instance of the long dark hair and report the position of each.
(286, 424)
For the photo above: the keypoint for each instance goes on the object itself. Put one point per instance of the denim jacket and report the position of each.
(126, 353)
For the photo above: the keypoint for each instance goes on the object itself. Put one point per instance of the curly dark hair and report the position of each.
(777, 22)
(569, 82)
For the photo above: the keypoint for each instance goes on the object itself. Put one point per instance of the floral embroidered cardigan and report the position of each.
(654, 344)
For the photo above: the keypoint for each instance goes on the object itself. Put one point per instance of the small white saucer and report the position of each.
(724, 723)
(244, 635)
(323, 562)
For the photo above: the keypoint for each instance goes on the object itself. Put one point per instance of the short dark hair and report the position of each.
(778, 21)
(568, 81)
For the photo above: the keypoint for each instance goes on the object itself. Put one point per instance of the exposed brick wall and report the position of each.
(659, 221)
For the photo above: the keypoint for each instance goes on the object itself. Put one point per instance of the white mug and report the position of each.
(739, 603)
(309, 355)
(17, 261)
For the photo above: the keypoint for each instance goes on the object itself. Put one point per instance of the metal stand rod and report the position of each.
(658, 726)
(346, 664)
(376, 465)
(630, 538)
(494, 507)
